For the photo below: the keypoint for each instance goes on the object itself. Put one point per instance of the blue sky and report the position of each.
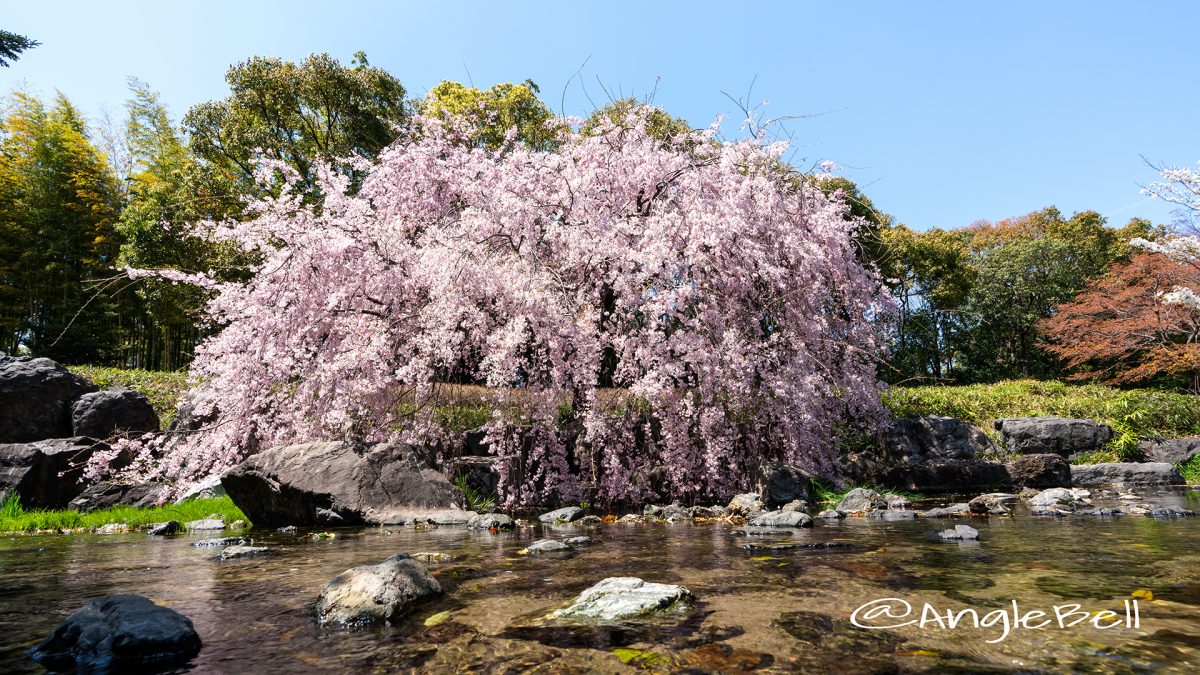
(945, 112)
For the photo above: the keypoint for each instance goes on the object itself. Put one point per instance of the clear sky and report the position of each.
(945, 112)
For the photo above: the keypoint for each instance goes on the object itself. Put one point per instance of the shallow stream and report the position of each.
(783, 610)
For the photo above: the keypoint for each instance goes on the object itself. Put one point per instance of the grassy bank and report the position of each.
(161, 388)
(1131, 413)
(13, 518)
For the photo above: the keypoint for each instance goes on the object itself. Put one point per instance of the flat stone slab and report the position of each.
(238, 552)
(617, 598)
(1130, 473)
(783, 519)
(205, 524)
(220, 541)
(544, 546)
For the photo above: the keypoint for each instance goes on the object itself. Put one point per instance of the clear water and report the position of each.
(776, 611)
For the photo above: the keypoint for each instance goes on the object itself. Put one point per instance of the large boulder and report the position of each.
(932, 438)
(1040, 471)
(1170, 450)
(779, 484)
(119, 633)
(35, 399)
(46, 474)
(944, 476)
(375, 594)
(862, 500)
(339, 484)
(108, 493)
(1053, 435)
(1126, 473)
(622, 598)
(102, 414)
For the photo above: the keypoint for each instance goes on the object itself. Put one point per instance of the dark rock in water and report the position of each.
(1101, 512)
(163, 529)
(102, 414)
(289, 529)
(563, 515)
(745, 505)
(892, 515)
(1130, 473)
(491, 521)
(543, 546)
(932, 438)
(222, 542)
(239, 551)
(108, 493)
(856, 650)
(780, 483)
(46, 474)
(946, 476)
(119, 633)
(1040, 471)
(831, 514)
(35, 399)
(375, 594)
(1170, 450)
(783, 519)
(622, 598)
(861, 499)
(375, 484)
(1053, 435)
(788, 545)
(1169, 512)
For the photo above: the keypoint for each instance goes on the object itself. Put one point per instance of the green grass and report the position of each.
(1190, 470)
(475, 500)
(829, 494)
(13, 518)
(1131, 413)
(163, 389)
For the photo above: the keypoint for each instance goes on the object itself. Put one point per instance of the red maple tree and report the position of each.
(1122, 329)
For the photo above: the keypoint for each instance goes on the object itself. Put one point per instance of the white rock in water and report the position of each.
(373, 594)
(617, 598)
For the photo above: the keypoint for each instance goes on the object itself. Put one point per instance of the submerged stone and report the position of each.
(543, 546)
(617, 598)
(238, 551)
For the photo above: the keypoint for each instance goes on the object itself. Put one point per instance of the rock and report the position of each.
(954, 476)
(46, 474)
(914, 440)
(783, 519)
(670, 512)
(239, 524)
(213, 522)
(744, 505)
(620, 598)
(631, 518)
(1169, 512)
(163, 529)
(1053, 435)
(705, 512)
(35, 399)
(112, 528)
(1135, 473)
(590, 520)
(448, 517)
(861, 500)
(289, 529)
(959, 509)
(1170, 450)
(119, 633)
(375, 484)
(986, 504)
(491, 521)
(780, 483)
(797, 505)
(831, 514)
(578, 542)
(480, 474)
(1039, 471)
(429, 557)
(209, 488)
(543, 546)
(1099, 511)
(375, 594)
(563, 515)
(896, 502)
(892, 515)
(960, 532)
(120, 411)
(222, 542)
(1056, 501)
(239, 551)
(109, 493)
